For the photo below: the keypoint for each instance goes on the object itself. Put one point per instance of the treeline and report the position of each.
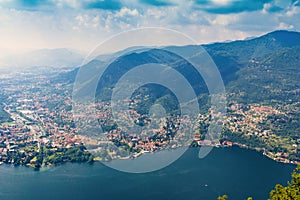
(47, 156)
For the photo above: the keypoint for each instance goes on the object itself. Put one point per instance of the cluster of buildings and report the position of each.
(39, 118)
(42, 116)
(253, 121)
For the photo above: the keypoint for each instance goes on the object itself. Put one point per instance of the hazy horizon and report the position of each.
(74, 24)
(28, 57)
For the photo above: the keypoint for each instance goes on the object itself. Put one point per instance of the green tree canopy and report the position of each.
(291, 191)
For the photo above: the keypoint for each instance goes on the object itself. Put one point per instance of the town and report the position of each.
(41, 131)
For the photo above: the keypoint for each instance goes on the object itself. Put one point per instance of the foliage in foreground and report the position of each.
(289, 192)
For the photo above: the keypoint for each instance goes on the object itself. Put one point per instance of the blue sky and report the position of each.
(76, 24)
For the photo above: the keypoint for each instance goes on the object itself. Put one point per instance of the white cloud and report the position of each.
(156, 13)
(127, 12)
(222, 2)
(284, 26)
(266, 8)
(209, 34)
(68, 3)
(293, 11)
(225, 20)
(83, 29)
(282, 3)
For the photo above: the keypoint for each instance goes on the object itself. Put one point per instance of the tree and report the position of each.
(224, 197)
(292, 191)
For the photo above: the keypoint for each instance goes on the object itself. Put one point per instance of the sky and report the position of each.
(82, 24)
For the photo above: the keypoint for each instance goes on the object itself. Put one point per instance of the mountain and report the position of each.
(256, 48)
(261, 78)
(268, 66)
(45, 58)
(262, 69)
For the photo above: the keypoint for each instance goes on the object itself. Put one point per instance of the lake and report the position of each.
(233, 171)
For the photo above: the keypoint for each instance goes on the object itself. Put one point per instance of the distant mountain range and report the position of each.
(262, 69)
(44, 58)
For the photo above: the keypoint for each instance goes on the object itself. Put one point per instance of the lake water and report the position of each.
(233, 171)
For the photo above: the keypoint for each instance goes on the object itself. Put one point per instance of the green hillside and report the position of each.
(262, 83)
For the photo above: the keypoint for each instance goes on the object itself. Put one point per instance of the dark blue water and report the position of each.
(233, 171)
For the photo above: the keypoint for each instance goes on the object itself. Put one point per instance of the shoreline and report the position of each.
(241, 146)
(266, 154)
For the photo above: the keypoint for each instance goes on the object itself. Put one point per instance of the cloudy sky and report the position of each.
(76, 24)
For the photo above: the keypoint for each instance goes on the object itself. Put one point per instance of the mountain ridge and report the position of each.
(230, 58)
